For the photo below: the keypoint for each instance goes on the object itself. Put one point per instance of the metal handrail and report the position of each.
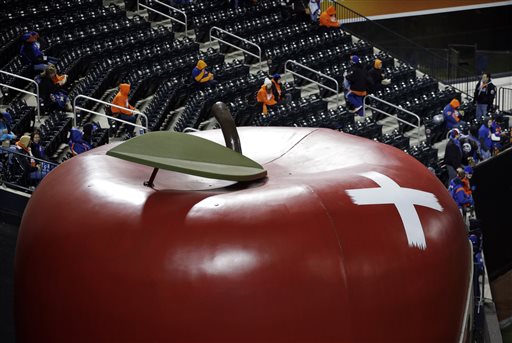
(504, 100)
(166, 15)
(36, 94)
(337, 90)
(235, 46)
(80, 96)
(393, 116)
(12, 150)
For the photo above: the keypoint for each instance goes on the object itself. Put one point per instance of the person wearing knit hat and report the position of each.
(452, 116)
(265, 97)
(356, 80)
(453, 154)
(328, 18)
(376, 76)
(277, 87)
(31, 54)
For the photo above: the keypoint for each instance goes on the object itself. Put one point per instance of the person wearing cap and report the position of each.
(277, 87)
(357, 82)
(31, 168)
(328, 18)
(265, 97)
(31, 54)
(453, 154)
(126, 110)
(202, 76)
(485, 92)
(451, 114)
(376, 77)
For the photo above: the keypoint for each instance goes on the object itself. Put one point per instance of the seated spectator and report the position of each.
(35, 146)
(51, 93)
(277, 87)
(31, 54)
(31, 169)
(76, 142)
(452, 116)
(5, 131)
(265, 97)
(124, 113)
(314, 10)
(357, 82)
(202, 76)
(485, 92)
(328, 18)
(376, 77)
(453, 154)
(468, 174)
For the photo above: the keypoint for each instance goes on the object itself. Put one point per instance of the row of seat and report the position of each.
(55, 131)
(23, 116)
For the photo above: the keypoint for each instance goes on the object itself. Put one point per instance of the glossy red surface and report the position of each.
(101, 258)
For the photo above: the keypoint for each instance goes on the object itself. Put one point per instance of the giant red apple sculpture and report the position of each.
(345, 240)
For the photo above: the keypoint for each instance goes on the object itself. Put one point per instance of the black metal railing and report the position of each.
(444, 69)
(504, 99)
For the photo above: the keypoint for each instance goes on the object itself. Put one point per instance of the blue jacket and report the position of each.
(458, 194)
(451, 117)
(484, 134)
(30, 53)
(76, 143)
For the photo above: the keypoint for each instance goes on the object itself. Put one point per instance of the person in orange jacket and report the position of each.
(121, 99)
(328, 18)
(266, 97)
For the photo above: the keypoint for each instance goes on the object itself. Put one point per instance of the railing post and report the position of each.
(337, 91)
(235, 46)
(80, 96)
(36, 94)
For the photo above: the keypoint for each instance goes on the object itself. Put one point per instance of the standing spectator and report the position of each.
(51, 93)
(201, 75)
(31, 54)
(314, 10)
(376, 77)
(277, 88)
(451, 115)
(265, 97)
(5, 131)
(328, 18)
(35, 146)
(453, 154)
(472, 139)
(485, 137)
(485, 92)
(357, 80)
(126, 112)
(466, 180)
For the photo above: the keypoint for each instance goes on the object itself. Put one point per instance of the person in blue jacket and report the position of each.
(456, 189)
(31, 54)
(76, 142)
(452, 116)
(485, 137)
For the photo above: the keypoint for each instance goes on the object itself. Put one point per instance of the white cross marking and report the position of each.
(404, 200)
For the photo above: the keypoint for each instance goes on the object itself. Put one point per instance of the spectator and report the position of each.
(376, 77)
(31, 54)
(453, 154)
(265, 97)
(277, 88)
(452, 116)
(461, 198)
(201, 75)
(357, 81)
(314, 10)
(31, 169)
(472, 139)
(126, 112)
(484, 95)
(76, 142)
(328, 18)
(487, 138)
(35, 146)
(5, 131)
(468, 174)
(51, 93)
